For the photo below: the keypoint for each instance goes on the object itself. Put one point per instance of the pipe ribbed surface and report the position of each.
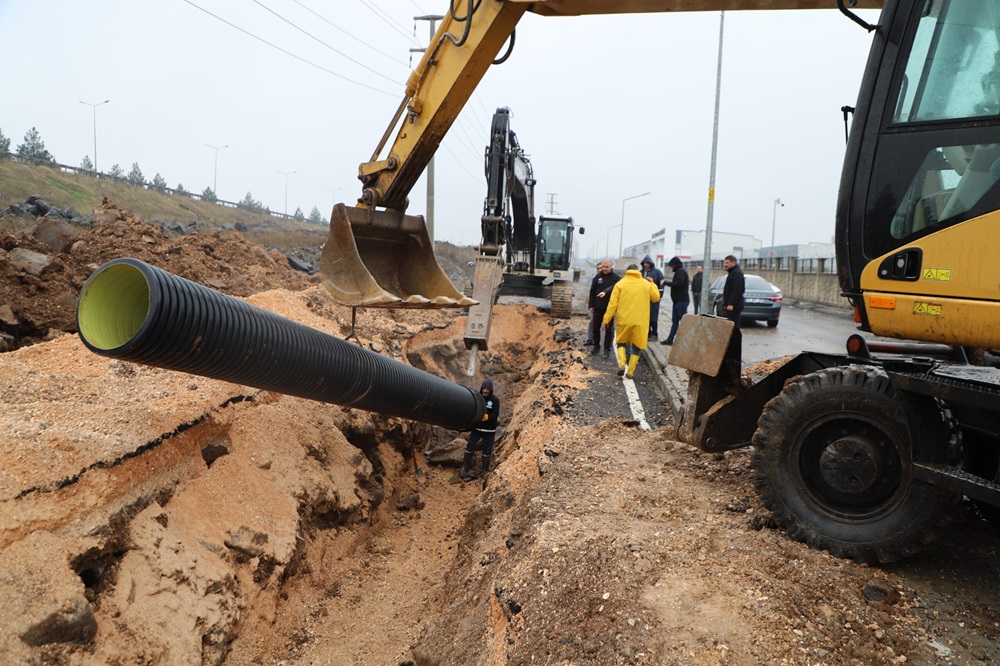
(133, 311)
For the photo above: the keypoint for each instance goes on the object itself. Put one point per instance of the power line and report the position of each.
(389, 21)
(479, 179)
(311, 36)
(471, 145)
(286, 52)
(347, 33)
(417, 6)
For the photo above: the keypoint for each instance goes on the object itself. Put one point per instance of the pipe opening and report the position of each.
(114, 304)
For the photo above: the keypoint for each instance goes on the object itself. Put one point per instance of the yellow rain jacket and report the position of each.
(630, 300)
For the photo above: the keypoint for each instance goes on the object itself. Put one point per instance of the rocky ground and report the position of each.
(153, 517)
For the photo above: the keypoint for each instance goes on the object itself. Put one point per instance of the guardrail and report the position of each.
(166, 190)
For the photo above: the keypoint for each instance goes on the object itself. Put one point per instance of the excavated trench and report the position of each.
(174, 519)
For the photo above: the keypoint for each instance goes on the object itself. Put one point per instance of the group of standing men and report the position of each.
(634, 302)
(626, 307)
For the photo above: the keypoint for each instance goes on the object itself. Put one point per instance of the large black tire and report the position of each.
(832, 462)
(772, 323)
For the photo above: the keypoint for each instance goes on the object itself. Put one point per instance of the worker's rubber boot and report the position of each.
(621, 361)
(467, 473)
(486, 465)
(632, 362)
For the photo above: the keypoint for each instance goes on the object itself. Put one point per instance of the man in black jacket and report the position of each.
(653, 274)
(679, 296)
(485, 432)
(696, 281)
(600, 295)
(732, 308)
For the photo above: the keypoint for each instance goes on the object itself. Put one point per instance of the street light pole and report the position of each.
(621, 235)
(94, 107)
(215, 173)
(607, 239)
(286, 174)
(774, 218)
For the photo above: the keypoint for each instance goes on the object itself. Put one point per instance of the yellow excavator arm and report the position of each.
(461, 53)
(385, 258)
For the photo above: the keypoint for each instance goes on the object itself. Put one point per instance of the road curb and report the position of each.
(671, 381)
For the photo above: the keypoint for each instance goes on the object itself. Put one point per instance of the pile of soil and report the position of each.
(154, 517)
(43, 268)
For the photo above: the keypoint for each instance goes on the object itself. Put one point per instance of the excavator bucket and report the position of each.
(384, 259)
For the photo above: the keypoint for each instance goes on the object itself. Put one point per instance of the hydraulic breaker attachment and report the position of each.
(384, 259)
(485, 289)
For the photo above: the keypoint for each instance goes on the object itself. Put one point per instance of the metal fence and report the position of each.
(148, 186)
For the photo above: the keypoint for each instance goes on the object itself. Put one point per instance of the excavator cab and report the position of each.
(555, 243)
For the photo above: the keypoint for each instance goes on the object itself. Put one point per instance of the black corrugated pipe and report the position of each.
(133, 311)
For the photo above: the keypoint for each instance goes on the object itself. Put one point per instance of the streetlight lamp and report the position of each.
(215, 173)
(286, 174)
(621, 235)
(94, 108)
(774, 218)
(333, 192)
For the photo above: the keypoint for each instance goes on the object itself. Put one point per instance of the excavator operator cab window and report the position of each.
(554, 237)
(938, 157)
(949, 182)
(953, 68)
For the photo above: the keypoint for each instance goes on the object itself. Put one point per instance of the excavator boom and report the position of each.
(466, 44)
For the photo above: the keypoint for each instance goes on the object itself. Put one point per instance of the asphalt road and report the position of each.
(800, 328)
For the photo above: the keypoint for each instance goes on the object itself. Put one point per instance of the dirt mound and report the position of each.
(43, 268)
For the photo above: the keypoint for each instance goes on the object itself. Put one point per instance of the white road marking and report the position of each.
(634, 403)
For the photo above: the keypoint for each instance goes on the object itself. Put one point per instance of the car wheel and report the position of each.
(772, 323)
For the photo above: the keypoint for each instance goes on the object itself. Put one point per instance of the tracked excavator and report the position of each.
(860, 453)
(515, 257)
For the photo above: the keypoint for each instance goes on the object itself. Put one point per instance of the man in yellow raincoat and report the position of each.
(630, 301)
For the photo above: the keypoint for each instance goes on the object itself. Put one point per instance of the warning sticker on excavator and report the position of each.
(930, 309)
(936, 274)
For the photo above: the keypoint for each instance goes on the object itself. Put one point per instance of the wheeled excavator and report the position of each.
(515, 256)
(860, 453)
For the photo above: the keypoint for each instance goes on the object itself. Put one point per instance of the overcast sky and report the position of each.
(606, 107)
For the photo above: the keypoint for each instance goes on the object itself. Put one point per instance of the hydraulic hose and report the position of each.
(132, 311)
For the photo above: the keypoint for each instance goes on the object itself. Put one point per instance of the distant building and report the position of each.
(690, 245)
(655, 247)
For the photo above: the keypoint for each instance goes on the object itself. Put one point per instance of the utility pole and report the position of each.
(552, 204)
(432, 20)
(706, 283)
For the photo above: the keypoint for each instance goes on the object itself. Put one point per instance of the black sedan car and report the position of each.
(763, 299)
